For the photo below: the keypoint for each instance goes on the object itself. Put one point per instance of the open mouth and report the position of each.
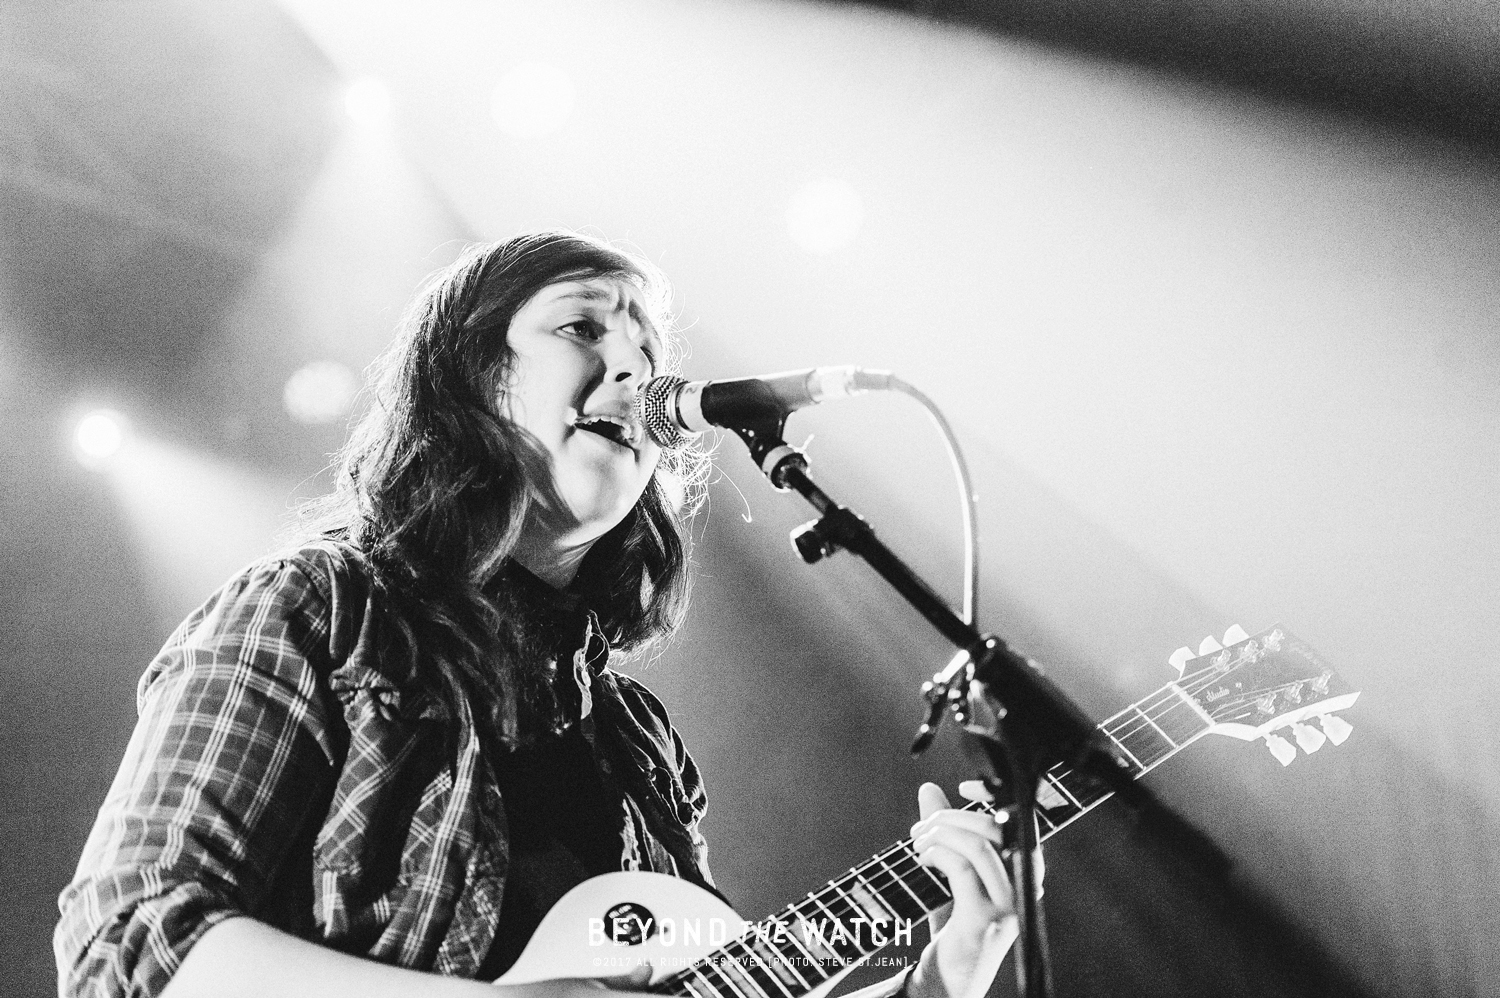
(616, 430)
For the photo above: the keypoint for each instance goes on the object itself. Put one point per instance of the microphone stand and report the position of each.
(1035, 724)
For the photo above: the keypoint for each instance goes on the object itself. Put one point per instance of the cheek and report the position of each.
(527, 403)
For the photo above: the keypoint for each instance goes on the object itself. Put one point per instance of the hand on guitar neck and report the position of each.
(779, 958)
(971, 936)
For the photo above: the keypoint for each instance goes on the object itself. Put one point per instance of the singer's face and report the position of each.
(582, 350)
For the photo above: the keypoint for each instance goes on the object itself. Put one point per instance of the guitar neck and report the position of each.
(1147, 733)
(876, 903)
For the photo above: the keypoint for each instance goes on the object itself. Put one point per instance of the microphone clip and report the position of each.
(835, 530)
(774, 456)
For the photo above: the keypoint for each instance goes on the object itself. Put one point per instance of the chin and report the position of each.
(598, 517)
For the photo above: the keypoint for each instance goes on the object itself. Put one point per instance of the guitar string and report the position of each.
(835, 896)
(1125, 730)
(1210, 672)
(906, 863)
(1187, 685)
(1167, 695)
(1150, 716)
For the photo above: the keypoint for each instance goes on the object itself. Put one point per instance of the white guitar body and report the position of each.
(611, 924)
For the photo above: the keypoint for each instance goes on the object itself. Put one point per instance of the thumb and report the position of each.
(930, 799)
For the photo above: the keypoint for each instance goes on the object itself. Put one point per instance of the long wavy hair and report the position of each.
(435, 485)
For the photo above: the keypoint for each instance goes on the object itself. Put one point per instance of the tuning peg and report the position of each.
(1235, 635)
(1335, 727)
(1281, 749)
(1179, 658)
(1308, 737)
(1208, 646)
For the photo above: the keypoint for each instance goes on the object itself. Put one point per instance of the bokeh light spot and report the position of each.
(824, 216)
(533, 99)
(98, 437)
(320, 392)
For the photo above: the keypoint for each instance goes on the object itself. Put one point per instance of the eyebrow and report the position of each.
(633, 309)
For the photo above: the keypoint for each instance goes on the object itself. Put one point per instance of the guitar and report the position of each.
(1249, 688)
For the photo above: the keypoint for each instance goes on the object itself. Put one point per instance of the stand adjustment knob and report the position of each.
(812, 542)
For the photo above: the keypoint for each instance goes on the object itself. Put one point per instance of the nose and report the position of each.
(626, 361)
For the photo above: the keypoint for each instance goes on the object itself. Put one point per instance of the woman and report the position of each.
(368, 766)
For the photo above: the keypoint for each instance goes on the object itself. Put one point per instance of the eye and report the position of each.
(584, 329)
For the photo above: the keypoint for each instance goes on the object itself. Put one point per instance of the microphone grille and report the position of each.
(655, 406)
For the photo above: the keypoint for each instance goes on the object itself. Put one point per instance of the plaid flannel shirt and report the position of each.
(276, 771)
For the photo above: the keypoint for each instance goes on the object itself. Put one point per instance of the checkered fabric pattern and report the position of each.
(276, 771)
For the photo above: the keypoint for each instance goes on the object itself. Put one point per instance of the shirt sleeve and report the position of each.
(696, 798)
(228, 758)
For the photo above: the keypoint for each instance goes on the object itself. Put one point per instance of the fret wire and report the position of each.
(1133, 727)
(804, 920)
(870, 889)
(790, 962)
(817, 899)
(867, 875)
(1066, 821)
(1173, 692)
(924, 905)
(765, 970)
(932, 879)
(821, 940)
(1146, 740)
(1167, 701)
(675, 983)
(878, 905)
(732, 982)
(1170, 740)
(869, 905)
(1169, 710)
(869, 885)
(902, 881)
(1057, 784)
(1170, 699)
(732, 967)
(1121, 746)
(713, 992)
(832, 944)
(717, 970)
(1091, 788)
(1191, 703)
(835, 897)
(1131, 723)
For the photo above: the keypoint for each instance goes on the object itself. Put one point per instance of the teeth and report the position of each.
(630, 430)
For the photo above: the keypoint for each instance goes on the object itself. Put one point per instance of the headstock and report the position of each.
(1250, 687)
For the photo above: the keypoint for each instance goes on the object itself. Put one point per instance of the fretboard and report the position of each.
(878, 902)
(1146, 734)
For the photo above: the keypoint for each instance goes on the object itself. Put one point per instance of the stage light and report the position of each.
(532, 99)
(98, 437)
(367, 101)
(320, 392)
(824, 216)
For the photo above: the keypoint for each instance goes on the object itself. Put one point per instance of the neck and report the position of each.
(553, 561)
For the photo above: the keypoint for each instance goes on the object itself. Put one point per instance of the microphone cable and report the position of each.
(968, 500)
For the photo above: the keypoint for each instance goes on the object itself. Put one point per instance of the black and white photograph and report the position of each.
(750, 498)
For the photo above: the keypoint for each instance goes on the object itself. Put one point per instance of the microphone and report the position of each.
(673, 410)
